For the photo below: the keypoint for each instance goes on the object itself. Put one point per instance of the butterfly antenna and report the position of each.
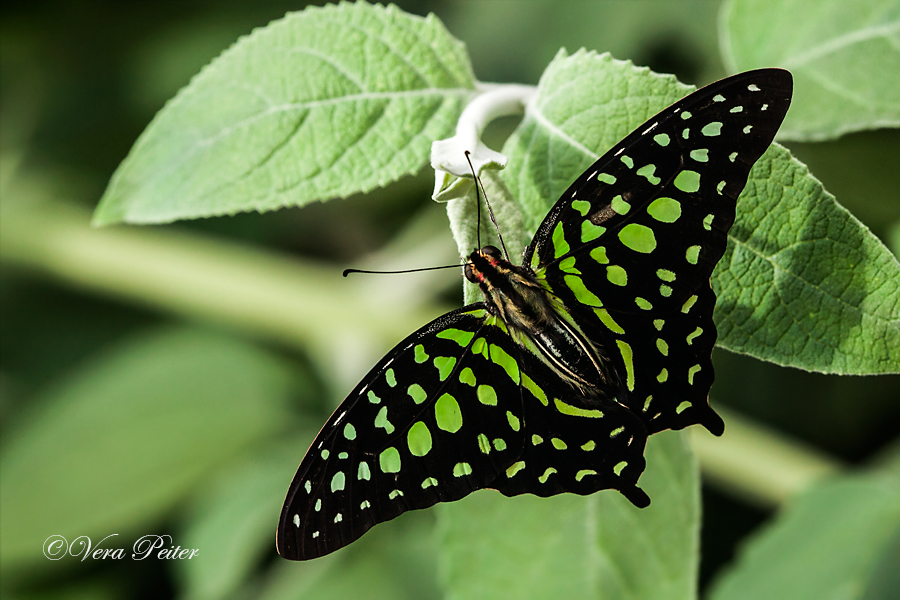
(478, 184)
(348, 271)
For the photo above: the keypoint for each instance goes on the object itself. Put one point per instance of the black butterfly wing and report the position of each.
(417, 430)
(630, 246)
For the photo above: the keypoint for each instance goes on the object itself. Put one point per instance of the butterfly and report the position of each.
(600, 338)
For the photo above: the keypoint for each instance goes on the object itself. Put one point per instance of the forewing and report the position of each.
(630, 246)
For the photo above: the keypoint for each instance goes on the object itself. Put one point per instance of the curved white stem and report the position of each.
(448, 157)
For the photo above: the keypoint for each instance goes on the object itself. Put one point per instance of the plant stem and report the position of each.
(756, 463)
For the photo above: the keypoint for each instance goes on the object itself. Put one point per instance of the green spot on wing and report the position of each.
(534, 388)
(619, 466)
(486, 395)
(337, 482)
(349, 431)
(467, 376)
(363, 473)
(599, 254)
(461, 469)
(499, 444)
(547, 473)
(560, 245)
(575, 411)
(665, 275)
(484, 444)
(584, 473)
(692, 254)
(687, 181)
(457, 335)
(590, 232)
(686, 307)
(509, 364)
(620, 206)
(639, 238)
(515, 468)
(513, 421)
(692, 335)
(607, 320)
(447, 413)
(616, 275)
(444, 365)
(568, 265)
(628, 359)
(664, 209)
(647, 171)
(419, 439)
(389, 460)
(662, 139)
(421, 355)
(662, 346)
(391, 379)
(381, 420)
(582, 206)
(582, 294)
(700, 155)
(416, 392)
(712, 129)
(691, 372)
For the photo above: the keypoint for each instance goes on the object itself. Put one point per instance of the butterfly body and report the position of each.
(539, 323)
(600, 338)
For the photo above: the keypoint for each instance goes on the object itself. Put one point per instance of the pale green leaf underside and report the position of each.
(231, 520)
(845, 57)
(115, 445)
(568, 546)
(323, 103)
(838, 540)
(802, 283)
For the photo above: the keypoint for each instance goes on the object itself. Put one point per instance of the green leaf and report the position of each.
(232, 521)
(394, 561)
(845, 57)
(840, 539)
(586, 103)
(568, 546)
(124, 438)
(802, 282)
(323, 103)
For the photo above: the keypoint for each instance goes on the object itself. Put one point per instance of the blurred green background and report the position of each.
(221, 406)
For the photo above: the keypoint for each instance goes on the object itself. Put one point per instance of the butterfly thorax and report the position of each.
(538, 322)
